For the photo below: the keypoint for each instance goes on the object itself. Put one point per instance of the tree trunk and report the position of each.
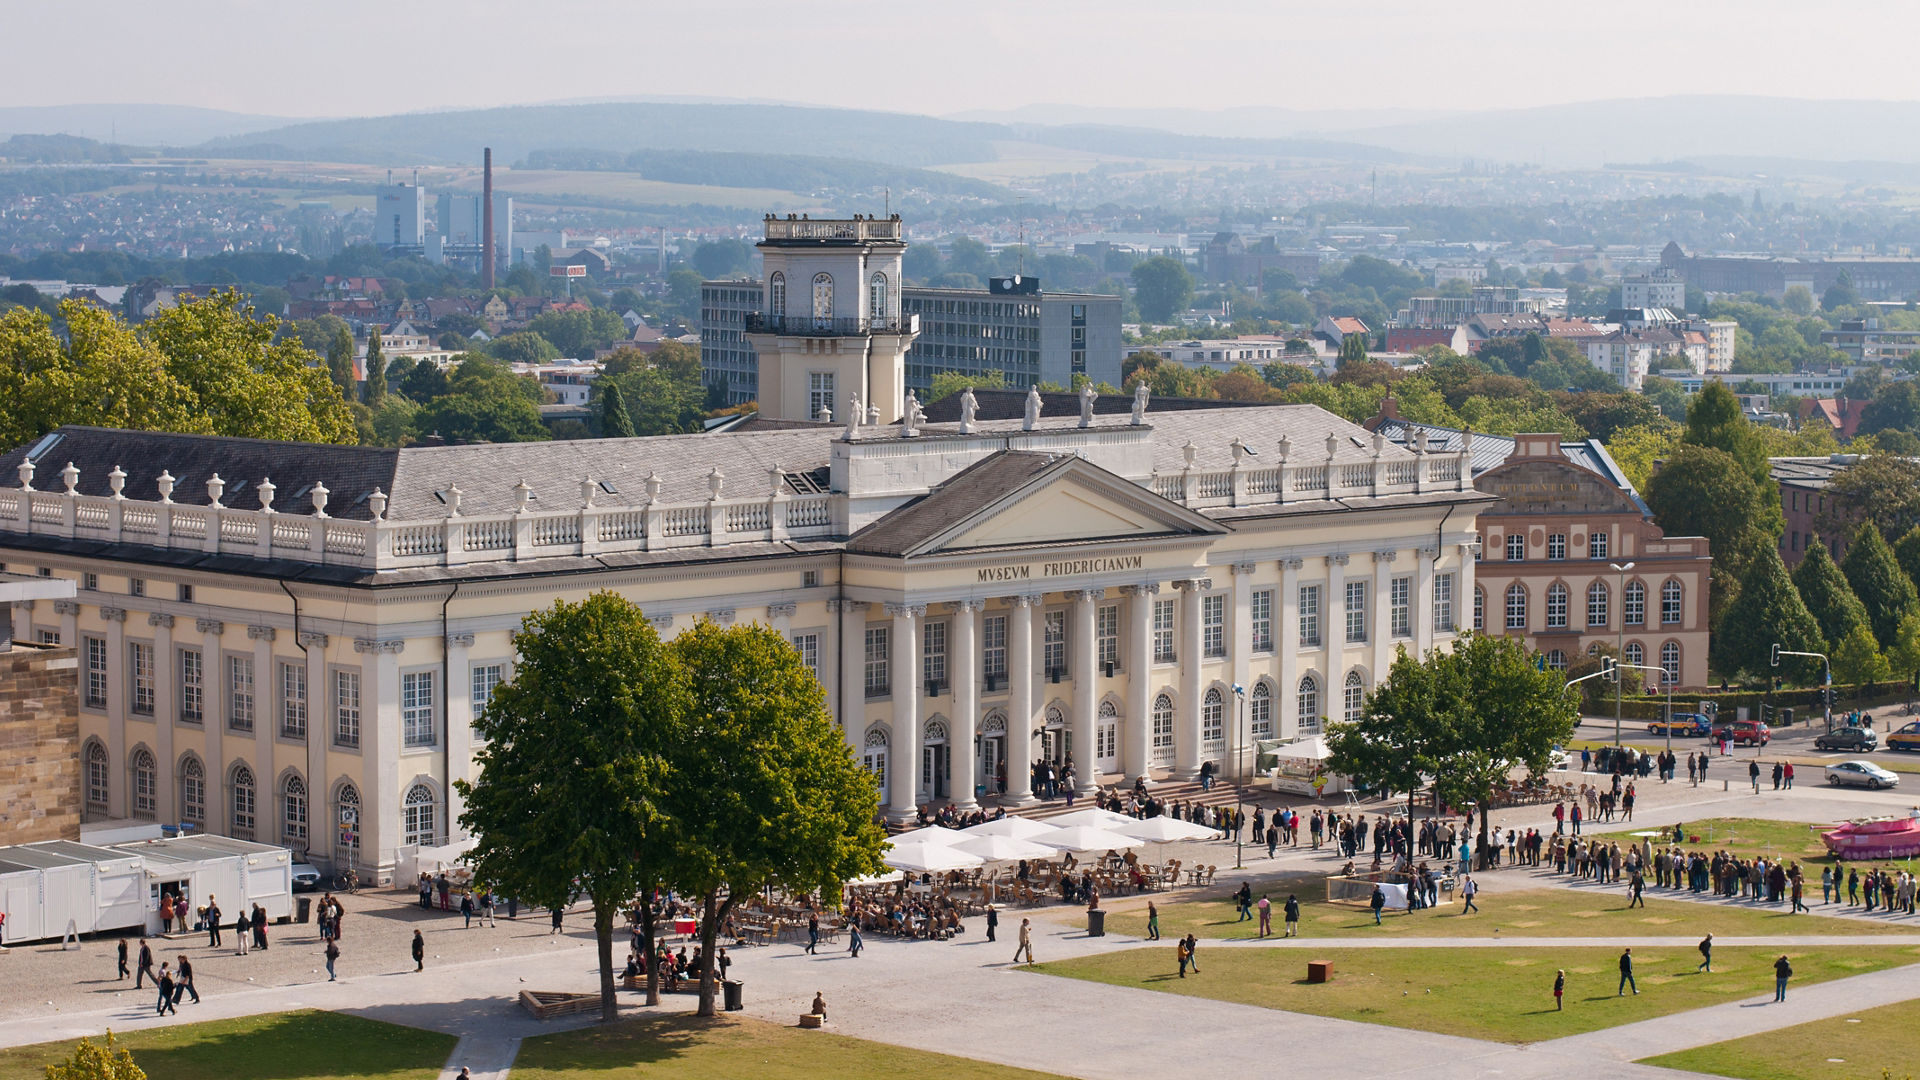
(603, 935)
(1482, 860)
(709, 931)
(647, 942)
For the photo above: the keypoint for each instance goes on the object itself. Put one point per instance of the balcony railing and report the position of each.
(853, 229)
(814, 326)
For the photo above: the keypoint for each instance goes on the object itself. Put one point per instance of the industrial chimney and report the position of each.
(486, 220)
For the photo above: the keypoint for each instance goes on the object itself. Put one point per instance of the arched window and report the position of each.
(877, 298)
(193, 791)
(1260, 712)
(1162, 727)
(936, 733)
(1670, 604)
(1356, 697)
(146, 780)
(1670, 662)
(822, 298)
(1635, 655)
(243, 802)
(347, 839)
(293, 812)
(1557, 660)
(97, 770)
(1516, 607)
(1597, 602)
(416, 826)
(1479, 608)
(873, 758)
(1213, 712)
(1634, 608)
(776, 294)
(1307, 699)
(1556, 607)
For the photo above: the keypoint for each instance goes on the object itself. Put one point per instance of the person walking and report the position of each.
(1181, 955)
(1782, 971)
(1626, 975)
(854, 943)
(1559, 988)
(419, 952)
(557, 913)
(1706, 955)
(486, 906)
(1753, 774)
(242, 931)
(185, 982)
(1153, 922)
(993, 922)
(1025, 944)
(1243, 900)
(1273, 838)
(165, 1004)
(466, 909)
(1789, 775)
(332, 954)
(260, 928)
(123, 962)
(1797, 890)
(145, 970)
(1193, 953)
(1469, 889)
(1266, 917)
(1378, 901)
(1291, 914)
(213, 922)
(813, 930)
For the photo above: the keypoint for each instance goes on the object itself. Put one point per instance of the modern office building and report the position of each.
(400, 219)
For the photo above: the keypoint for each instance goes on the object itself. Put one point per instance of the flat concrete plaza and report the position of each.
(966, 997)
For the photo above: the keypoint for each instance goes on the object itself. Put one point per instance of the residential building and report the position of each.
(1432, 312)
(1230, 258)
(1663, 287)
(1865, 342)
(1221, 354)
(1721, 335)
(1631, 355)
(1839, 415)
(1803, 500)
(1875, 277)
(1334, 329)
(1407, 339)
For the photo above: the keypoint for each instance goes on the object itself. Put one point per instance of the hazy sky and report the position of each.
(360, 57)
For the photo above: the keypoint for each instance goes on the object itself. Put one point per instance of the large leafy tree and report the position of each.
(1715, 419)
(1878, 581)
(1704, 491)
(614, 421)
(1824, 589)
(765, 790)
(1907, 553)
(1857, 658)
(1469, 716)
(1767, 612)
(375, 386)
(484, 402)
(1162, 285)
(575, 761)
(1883, 489)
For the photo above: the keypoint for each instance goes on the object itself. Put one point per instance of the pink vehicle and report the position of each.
(1874, 838)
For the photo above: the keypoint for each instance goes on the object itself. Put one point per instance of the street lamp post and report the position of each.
(1826, 692)
(1620, 647)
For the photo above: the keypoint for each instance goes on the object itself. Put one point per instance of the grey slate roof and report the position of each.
(966, 494)
(1492, 451)
(1012, 405)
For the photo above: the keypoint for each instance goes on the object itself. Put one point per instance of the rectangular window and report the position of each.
(819, 393)
(933, 656)
(416, 709)
(878, 682)
(1557, 546)
(1443, 603)
(1053, 642)
(96, 683)
(1400, 605)
(1356, 611)
(346, 708)
(1516, 547)
(1670, 603)
(993, 650)
(1213, 626)
(136, 586)
(1597, 544)
(1479, 608)
(1557, 608)
(240, 693)
(1163, 632)
(140, 678)
(1634, 610)
(293, 700)
(1261, 605)
(185, 593)
(1309, 616)
(48, 637)
(1106, 632)
(1516, 608)
(193, 687)
(808, 646)
(90, 581)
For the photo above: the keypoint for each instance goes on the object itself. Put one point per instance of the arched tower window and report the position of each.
(877, 297)
(417, 826)
(822, 298)
(776, 294)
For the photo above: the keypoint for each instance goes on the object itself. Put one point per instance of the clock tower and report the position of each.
(831, 331)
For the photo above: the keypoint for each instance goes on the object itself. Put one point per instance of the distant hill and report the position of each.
(132, 125)
(1236, 122)
(61, 150)
(790, 172)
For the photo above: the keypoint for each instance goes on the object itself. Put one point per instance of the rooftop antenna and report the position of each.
(887, 201)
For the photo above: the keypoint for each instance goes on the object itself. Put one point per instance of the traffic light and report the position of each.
(1776, 654)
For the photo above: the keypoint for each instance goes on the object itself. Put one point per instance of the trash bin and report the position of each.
(1096, 923)
(731, 990)
(1786, 717)
(303, 907)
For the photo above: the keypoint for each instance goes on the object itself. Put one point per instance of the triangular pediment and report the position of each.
(1018, 500)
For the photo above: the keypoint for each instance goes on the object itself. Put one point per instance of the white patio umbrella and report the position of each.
(1018, 828)
(1093, 816)
(932, 834)
(929, 858)
(1165, 830)
(1087, 838)
(1004, 848)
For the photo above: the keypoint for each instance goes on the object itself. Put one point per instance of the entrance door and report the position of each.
(934, 779)
(873, 758)
(992, 753)
(1106, 739)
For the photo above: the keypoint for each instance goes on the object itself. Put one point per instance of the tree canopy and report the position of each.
(1162, 285)
(1876, 577)
(1768, 611)
(1881, 489)
(1824, 589)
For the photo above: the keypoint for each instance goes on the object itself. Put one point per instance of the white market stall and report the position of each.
(1300, 768)
(51, 887)
(232, 872)
(412, 860)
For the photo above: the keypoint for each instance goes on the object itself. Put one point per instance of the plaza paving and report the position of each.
(962, 997)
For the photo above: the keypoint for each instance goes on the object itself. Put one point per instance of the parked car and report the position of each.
(1861, 774)
(1907, 738)
(305, 878)
(1683, 724)
(1743, 733)
(1848, 738)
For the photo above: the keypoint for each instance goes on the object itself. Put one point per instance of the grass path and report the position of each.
(1853, 1047)
(307, 1045)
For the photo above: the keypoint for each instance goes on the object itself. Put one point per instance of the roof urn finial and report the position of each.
(319, 496)
(266, 490)
(117, 482)
(377, 502)
(716, 480)
(70, 476)
(26, 475)
(164, 482)
(522, 494)
(1188, 452)
(216, 487)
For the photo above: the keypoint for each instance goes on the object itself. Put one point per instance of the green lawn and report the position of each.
(308, 1045)
(1528, 912)
(1747, 837)
(1501, 994)
(1854, 1047)
(680, 1047)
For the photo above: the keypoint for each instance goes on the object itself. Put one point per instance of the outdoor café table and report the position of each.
(756, 933)
(1193, 875)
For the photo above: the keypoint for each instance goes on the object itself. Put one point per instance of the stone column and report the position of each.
(1335, 631)
(1381, 630)
(323, 825)
(459, 732)
(1020, 677)
(213, 718)
(1187, 748)
(963, 671)
(1240, 653)
(1423, 599)
(118, 700)
(266, 727)
(379, 752)
(850, 690)
(1136, 751)
(1286, 713)
(69, 612)
(903, 670)
(1463, 592)
(1080, 661)
(166, 713)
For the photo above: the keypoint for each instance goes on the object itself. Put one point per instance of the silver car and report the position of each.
(1861, 774)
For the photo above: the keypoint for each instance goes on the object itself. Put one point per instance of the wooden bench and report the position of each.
(811, 1020)
(547, 1004)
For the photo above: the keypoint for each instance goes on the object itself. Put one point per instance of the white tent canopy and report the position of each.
(1018, 828)
(1088, 838)
(1309, 749)
(1162, 830)
(1004, 848)
(1093, 817)
(929, 858)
